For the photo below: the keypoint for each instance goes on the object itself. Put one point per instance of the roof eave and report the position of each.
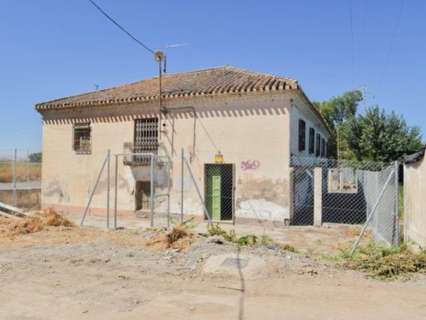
(314, 110)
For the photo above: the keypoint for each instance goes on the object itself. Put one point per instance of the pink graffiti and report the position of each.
(250, 165)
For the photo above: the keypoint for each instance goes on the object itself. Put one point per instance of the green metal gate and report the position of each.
(219, 187)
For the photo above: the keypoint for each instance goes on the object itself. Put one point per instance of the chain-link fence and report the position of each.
(208, 186)
(20, 178)
(142, 176)
(347, 192)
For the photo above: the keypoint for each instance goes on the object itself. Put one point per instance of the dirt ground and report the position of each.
(88, 273)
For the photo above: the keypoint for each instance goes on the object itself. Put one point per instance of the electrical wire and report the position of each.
(208, 134)
(351, 27)
(102, 11)
(392, 41)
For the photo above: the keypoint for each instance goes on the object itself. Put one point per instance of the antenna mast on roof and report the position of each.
(160, 57)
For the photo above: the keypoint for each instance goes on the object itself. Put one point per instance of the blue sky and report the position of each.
(51, 49)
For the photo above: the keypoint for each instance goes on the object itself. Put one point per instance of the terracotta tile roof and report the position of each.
(214, 81)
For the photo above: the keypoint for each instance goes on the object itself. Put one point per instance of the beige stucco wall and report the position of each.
(301, 110)
(415, 202)
(251, 131)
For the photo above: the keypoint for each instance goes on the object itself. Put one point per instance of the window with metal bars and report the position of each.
(302, 135)
(82, 138)
(146, 135)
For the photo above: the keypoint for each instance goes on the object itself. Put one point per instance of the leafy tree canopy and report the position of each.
(35, 157)
(378, 136)
(372, 135)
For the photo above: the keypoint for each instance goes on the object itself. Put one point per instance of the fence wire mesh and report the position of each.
(350, 192)
(137, 182)
(20, 178)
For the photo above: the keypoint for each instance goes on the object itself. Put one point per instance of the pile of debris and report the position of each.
(178, 238)
(15, 222)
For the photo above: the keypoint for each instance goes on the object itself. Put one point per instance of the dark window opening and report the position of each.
(143, 195)
(318, 145)
(322, 148)
(82, 138)
(302, 135)
(311, 140)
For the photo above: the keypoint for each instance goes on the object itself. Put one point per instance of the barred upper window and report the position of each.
(82, 138)
(302, 135)
(311, 140)
(146, 135)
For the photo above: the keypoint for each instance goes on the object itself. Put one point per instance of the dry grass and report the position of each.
(179, 238)
(24, 171)
(20, 226)
(385, 262)
(27, 199)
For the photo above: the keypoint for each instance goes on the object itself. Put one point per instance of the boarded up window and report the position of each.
(82, 137)
(342, 180)
(302, 135)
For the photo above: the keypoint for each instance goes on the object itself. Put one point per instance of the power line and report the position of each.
(351, 26)
(208, 135)
(392, 40)
(121, 27)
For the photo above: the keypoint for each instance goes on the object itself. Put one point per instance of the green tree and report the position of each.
(35, 157)
(378, 136)
(338, 112)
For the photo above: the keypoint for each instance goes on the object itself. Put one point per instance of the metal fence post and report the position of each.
(169, 187)
(28, 165)
(182, 184)
(397, 231)
(152, 190)
(200, 197)
(93, 191)
(108, 184)
(115, 191)
(373, 211)
(15, 202)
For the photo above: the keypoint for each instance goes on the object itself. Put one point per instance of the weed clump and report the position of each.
(385, 262)
(289, 248)
(244, 240)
